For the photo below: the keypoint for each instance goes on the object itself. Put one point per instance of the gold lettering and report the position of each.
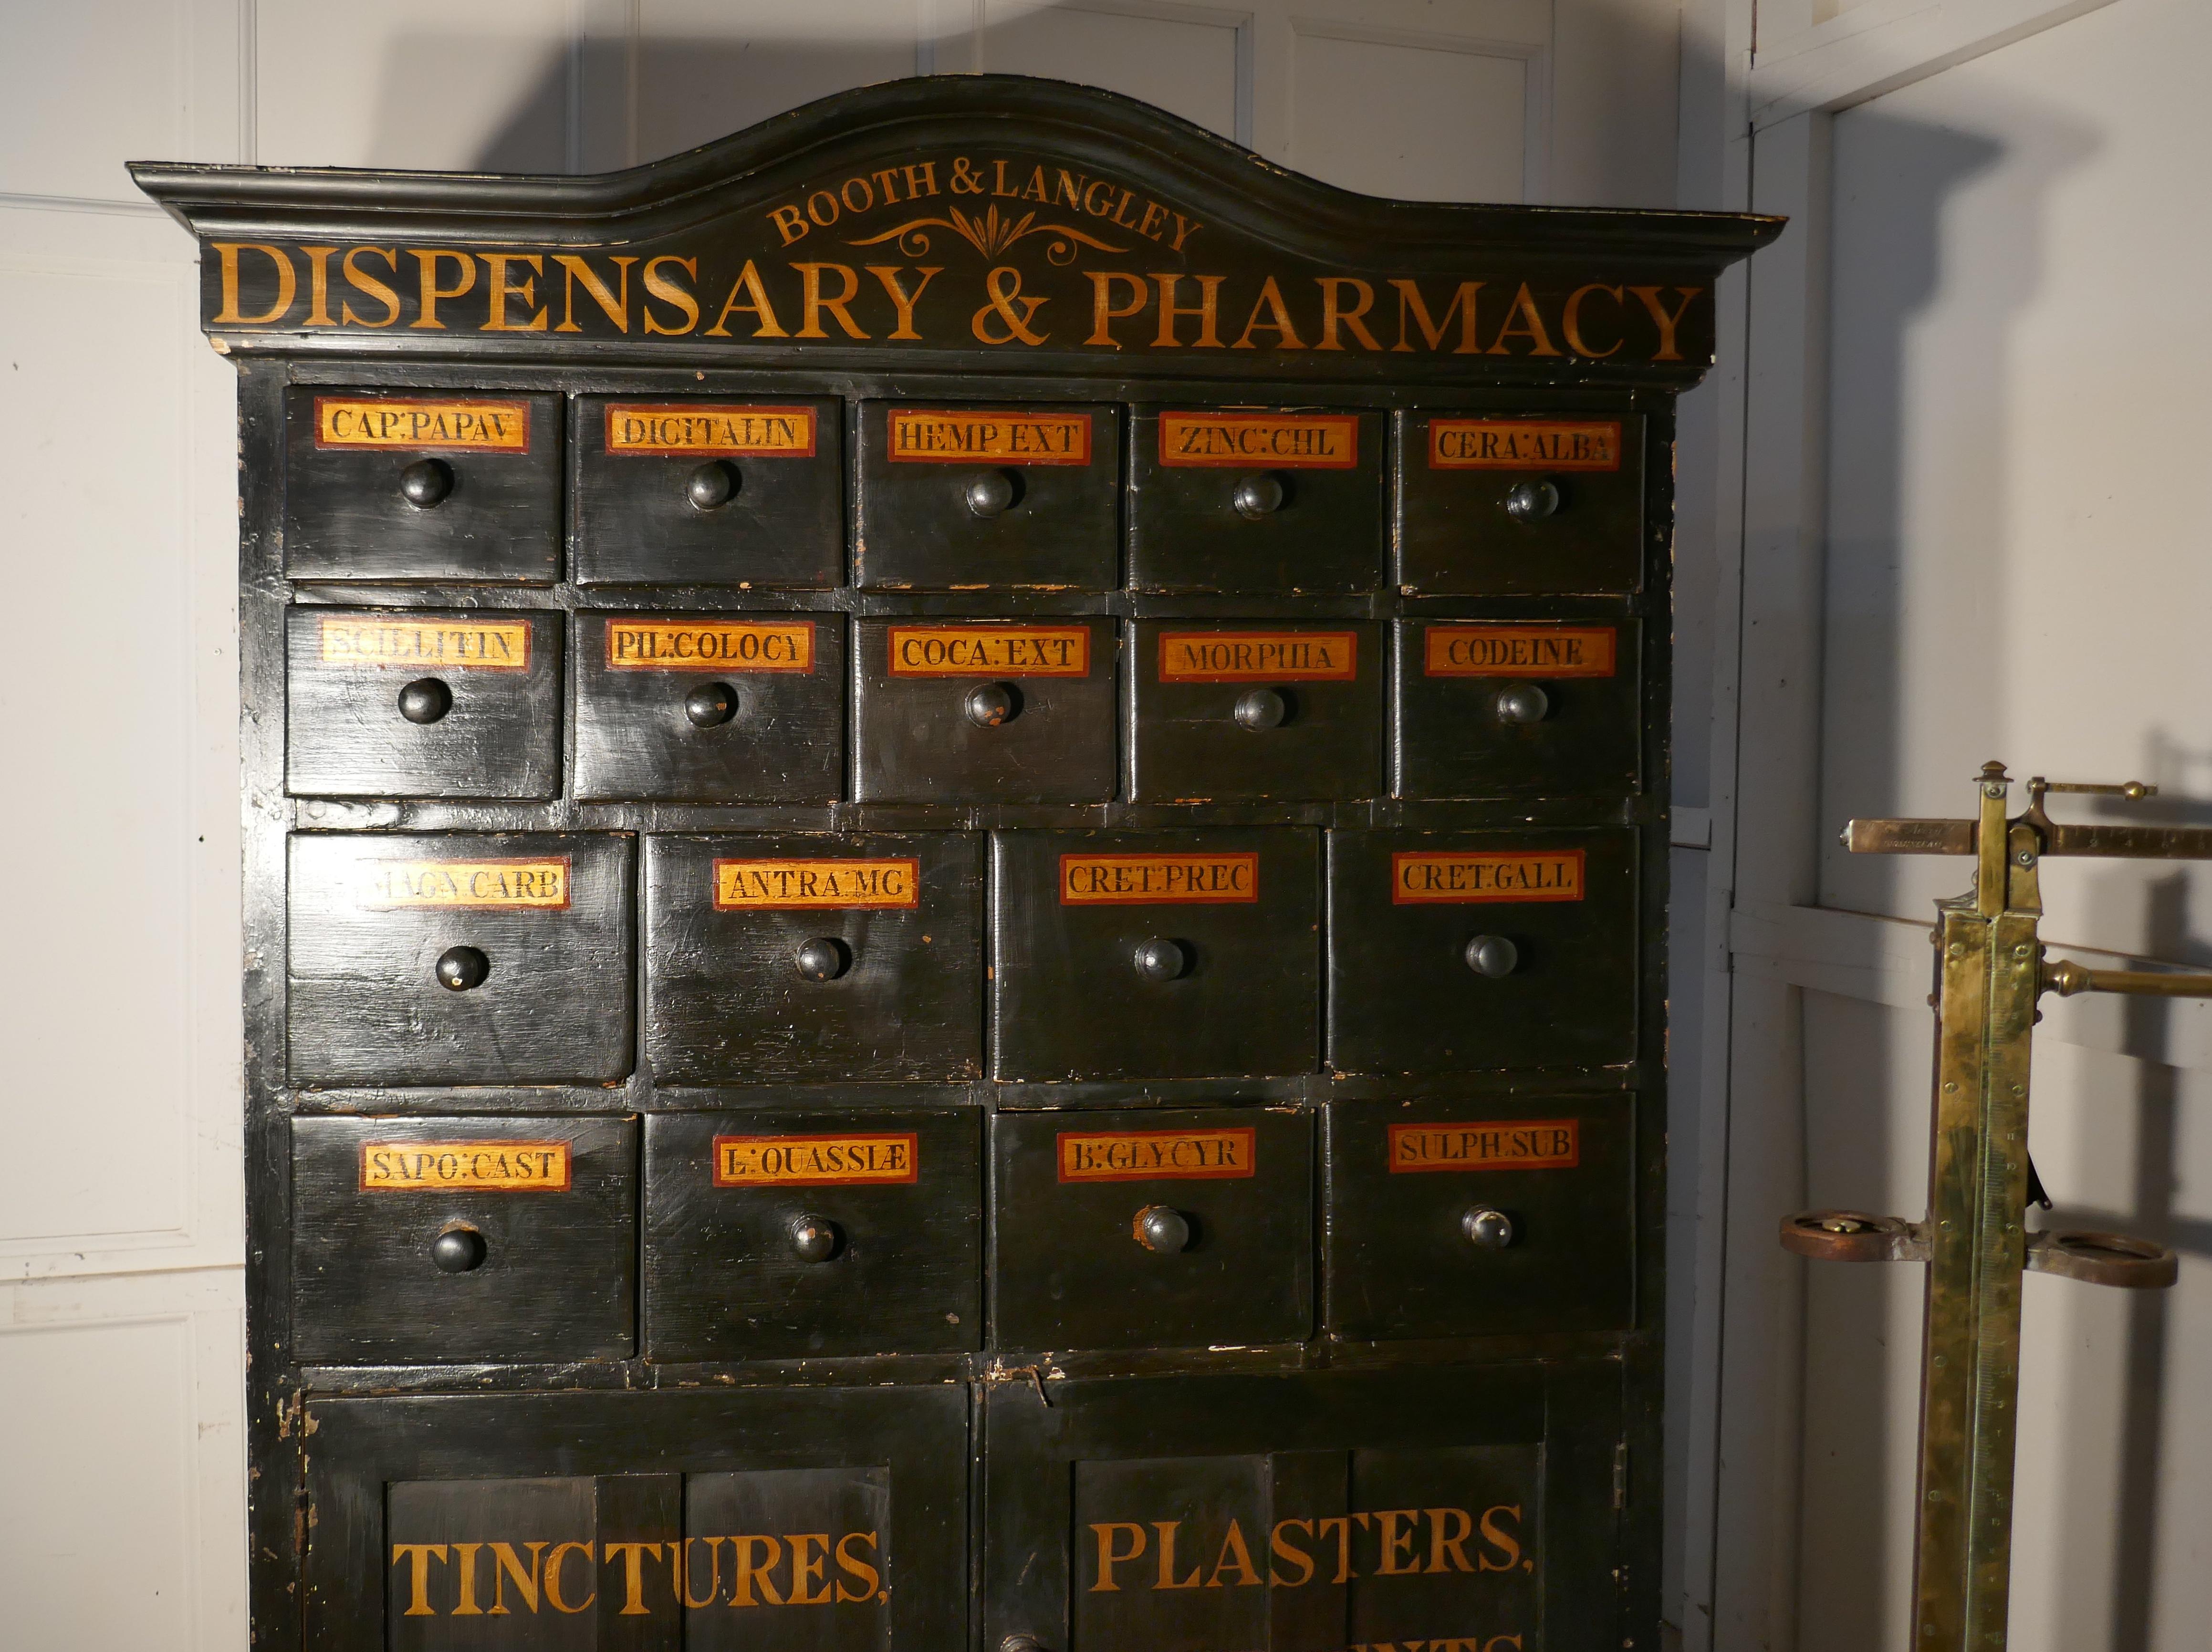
(1571, 320)
(791, 222)
(1233, 1553)
(615, 304)
(665, 290)
(748, 283)
(870, 1578)
(633, 1557)
(746, 1574)
(1104, 311)
(684, 1571)
(1522, 309)
(561, 1552)
(287, 283)
(1450, 1544)
(506, 1563)
(432, 292)
(1506, 1543)
(888, 274)
(1109, 1556)
(809, 1554)
(815, 303)
(1280, 1548)
(1209, 294)
(319, 285)
(495, 271)
(1343, 1524)
(1392, 1540)
(361, 281)
(1332, 312)
(1463, 301)
(464, 1562)
(1270, 300)
(418, 1555)
(1167, 1529)
(1668, 323)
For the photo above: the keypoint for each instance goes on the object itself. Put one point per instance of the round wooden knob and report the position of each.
(1161, 1229)
(813, 1238)
(823, 958)
(712, 486)
(1161, 959)
(1262, 708)
(989, 495)
(989, 705)
(1522, 703)
(425, 699)
(1492, 956)
(1487, 1228)
(1531, 502)
(460, 969)
(1256, 496)
(711, 704)
(426, 483)
(457, 1250)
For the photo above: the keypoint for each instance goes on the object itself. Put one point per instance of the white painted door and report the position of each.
(122, 1479)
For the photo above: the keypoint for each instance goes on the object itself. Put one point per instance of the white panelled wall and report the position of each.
(121, 1476)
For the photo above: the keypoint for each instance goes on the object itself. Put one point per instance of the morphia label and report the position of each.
(805, 885)
(1492, 1144)
(1553, 651)
(448, 426)
(658, 644)
(399, 885)
(449, 644)
(989, 650)
(956, 436)
(1157, 1155)
(1280, 442)
(709, 430)
(494, 1166)
(1258, 656)
(1158, 879)
(1524, 445)
(828, 1161)
(1425, 876)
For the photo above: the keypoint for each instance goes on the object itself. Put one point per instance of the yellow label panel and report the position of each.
(398, 885)
(1274, 441)
(388, 1167)
(958, 436)
(1157, 1155)
(1258, 656)
(710, 429)
(801, 886)
(1158, 879)
(448, 425)
(1425, 877)
(1553, 651)
(657, 645)
(959, 650)
(1492, 1145)
(1524, 443)
(470, 645)
(815, 1160)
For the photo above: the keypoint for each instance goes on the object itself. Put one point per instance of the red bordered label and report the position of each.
(1158, 879)
(1157, 1155)
(1524, 443)
(1545, 651)
(851, 885)
(1423, 878)
(381, 642)
(662, 645)
(1258, 656)
(988, 650)
(960, 436)
(709, 430)
(1274, 442)
(442, 426)
(540, 884)
(1492, 1145)
(399, 1167)
(826, 1161)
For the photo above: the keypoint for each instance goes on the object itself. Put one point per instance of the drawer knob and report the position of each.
(462, 968)
(1492, 955)
(1256, 496)
(1522, 702)
(425, 699)
(1531, 502)
(1161, 959)
(1159, 1229)
(426, 483)
(711, 704)
(1021, 1643)
(1262, 708)
(989, 495)
(814, 1238)
(712, 486)
(823, 958)
(458, 1249)
(1491, 1230)
(989, 705)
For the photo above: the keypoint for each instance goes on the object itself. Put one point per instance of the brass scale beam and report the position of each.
(1990, 972)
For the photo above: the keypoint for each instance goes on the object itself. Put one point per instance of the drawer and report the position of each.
(422, 703)
(463, 1240)
(460, 959)
(790, 958)
(786, 1235)
(970, 498)
(1161, 955)
(727, 707)
(1238, 713)
(640, 1521)
(1451, 952)
(1152, 1228)
(746, 494)
(983, 711)
(1463, 1219)
(411, 485)
(1493, 710)
(1252, 500)
(1490, 506)
(1451, 1508)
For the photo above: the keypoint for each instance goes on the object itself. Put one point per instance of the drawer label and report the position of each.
(1493, 1145)
(646, 429)
(1258, 656)
(1553, 651)
(800, 885)
(456, 427)
(1157, 1155)
(652, 645)
(398, 885)
(1158, 879)
(393, 1167)
(450, 645)
(956, 436)
(1524, 445)
(1305, 441)
(989, 650)
(815, 1160)
(1422, 877)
